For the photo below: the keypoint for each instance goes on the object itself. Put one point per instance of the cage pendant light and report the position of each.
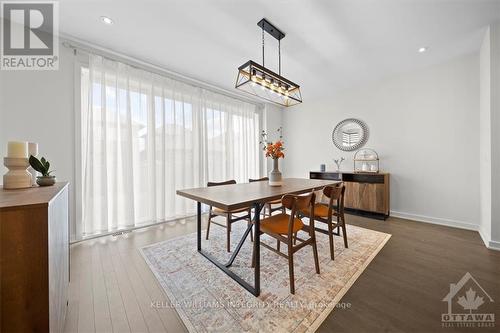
(260, 81)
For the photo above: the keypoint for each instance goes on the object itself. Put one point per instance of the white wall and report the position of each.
(495, 134)
(37, 106)
(490, 137)
(485, 138)
(424, 126)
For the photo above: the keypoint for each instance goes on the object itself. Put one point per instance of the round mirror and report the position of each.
(350, 134)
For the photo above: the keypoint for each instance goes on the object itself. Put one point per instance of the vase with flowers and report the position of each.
(275, 151)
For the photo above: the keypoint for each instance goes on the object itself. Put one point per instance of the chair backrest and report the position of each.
(258, 180)
(335, 193)
(227, 182)
(297, 203)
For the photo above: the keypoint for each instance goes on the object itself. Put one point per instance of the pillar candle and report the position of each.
(32, 149)
(17, 149)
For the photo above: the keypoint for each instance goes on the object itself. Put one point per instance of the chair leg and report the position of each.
(228, 229)
(315, 253)
(209, 220)
(290, 267)
(278, 243)
(344, 233)
(330, 238)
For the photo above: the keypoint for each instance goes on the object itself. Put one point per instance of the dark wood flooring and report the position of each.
(403, 287)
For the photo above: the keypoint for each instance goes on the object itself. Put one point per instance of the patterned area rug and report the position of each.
(208, 300)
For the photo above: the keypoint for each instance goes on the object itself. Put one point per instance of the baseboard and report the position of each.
(484, 237)
(435, 220)
(490, 244)
(493, 245)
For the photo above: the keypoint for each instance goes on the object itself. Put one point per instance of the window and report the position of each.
(145, 136)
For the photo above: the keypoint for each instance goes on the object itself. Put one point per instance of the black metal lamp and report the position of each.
(260, 81)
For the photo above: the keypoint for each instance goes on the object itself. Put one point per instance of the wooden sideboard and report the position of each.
(366, 193)
(34, 259)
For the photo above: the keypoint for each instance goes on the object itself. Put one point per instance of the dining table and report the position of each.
(242, 195)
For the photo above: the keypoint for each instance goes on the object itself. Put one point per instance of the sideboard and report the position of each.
(366, 194)
(34, 259)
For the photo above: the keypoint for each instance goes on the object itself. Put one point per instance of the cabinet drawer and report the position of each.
(363, 178)
(325, 175)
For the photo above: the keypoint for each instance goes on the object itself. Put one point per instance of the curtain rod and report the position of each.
(76, 44)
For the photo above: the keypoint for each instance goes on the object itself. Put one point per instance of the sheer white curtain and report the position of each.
(144, 136)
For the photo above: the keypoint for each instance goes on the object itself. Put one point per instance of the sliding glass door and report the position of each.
(144, 136)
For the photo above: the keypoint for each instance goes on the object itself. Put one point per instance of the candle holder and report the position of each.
(18, 175)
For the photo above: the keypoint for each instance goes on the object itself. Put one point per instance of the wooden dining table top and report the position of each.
(235, 196)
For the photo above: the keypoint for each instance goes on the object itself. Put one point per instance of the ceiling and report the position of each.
(329, 44)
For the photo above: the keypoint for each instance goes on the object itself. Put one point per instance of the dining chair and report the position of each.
(284, 228)
(325, 212)
(269, 205)
(229, 215)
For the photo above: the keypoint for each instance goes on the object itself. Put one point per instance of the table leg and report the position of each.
(255, 290)
(256, 244)
(258, 208)
(198, 225)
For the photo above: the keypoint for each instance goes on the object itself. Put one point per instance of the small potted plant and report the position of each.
(42, 166)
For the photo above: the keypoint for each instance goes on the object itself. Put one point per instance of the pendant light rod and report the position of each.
(279, 57)
(263, 47)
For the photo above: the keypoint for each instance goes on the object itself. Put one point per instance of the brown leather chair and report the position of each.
(229, 215)
(325, 212)
(284, 228)
(269, 205)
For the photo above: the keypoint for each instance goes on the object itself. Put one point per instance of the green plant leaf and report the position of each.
(37, 165)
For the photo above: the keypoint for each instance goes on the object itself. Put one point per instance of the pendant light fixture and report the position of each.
(260, 81)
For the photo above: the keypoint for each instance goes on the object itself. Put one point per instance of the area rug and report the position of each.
(207, 300)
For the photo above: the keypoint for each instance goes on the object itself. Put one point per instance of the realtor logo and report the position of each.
(29, 38)
(468, 303)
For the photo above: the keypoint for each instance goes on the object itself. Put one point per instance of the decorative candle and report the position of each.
(32, 150)
(17, 149)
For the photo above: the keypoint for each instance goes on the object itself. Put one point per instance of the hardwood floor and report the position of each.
(112, 288)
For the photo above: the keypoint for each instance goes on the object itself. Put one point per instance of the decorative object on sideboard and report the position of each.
(366, 160)
(322, 167)
(275, 151)
(350, 134)
(17, 163)
(338, 162)
(32, 151)
(43, 166)
(260, 81)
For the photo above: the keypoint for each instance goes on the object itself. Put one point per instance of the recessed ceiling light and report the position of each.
(422, 49)
(106, 20)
